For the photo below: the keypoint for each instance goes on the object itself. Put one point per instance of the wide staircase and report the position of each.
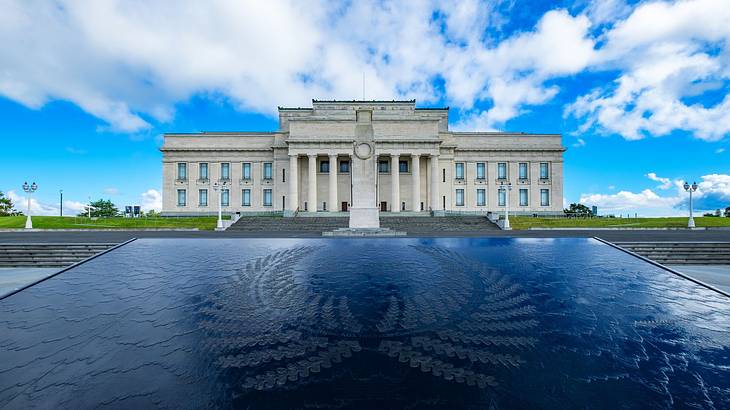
(682, 253)
(47, 255)
(412, 225)
(415, 225)
(314, 224)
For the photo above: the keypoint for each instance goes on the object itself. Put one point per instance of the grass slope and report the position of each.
(58, 222)
(526, 222)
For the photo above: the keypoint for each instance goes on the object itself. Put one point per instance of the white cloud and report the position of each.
(664, 52)
(629, 201)
(36, 208)
(72, 208)
(111, 191)
(151, 200)
(713, 193)
(666, 183)
(719, 150)
(130, 63)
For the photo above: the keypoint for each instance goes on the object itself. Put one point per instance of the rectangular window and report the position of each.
(268, 170)
(324, 167)
(545, 197)
(246, 195)
(481, 170)
(383, 167)
(523, 170)
(203, 197)
(523, 197)
(225, 170)
(443, 175)
(403, 166)
(246, 174)
(501, 197)
(344, 167)
(502, 170)
(459, 170)
(182, 170)
(267, 197)
(459, 197)
(283, 175)
(203, 170)
(544, 170)
(481, 197)
(181, 197)
(225, 197)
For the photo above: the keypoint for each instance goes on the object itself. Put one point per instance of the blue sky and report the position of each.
(639, 90)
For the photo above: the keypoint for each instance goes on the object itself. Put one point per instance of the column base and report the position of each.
(438, 213)
(364, 218)
(290, 214)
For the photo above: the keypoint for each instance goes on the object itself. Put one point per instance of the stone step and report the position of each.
(682, 253)
(48, 254)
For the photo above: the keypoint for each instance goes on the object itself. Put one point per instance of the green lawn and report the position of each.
(526, 222)
(58, 222)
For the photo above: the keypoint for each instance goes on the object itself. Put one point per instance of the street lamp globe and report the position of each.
(29, 189)
(690, 188)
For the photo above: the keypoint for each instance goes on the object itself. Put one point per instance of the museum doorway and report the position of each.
(383, 206)
(344, 206)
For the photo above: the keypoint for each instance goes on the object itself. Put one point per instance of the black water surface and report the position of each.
(381, 323)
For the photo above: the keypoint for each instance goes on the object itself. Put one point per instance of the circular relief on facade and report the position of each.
(363, 150)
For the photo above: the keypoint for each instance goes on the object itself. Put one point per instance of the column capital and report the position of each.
(311, 155)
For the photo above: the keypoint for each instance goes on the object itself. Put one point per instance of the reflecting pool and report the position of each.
(362, 323)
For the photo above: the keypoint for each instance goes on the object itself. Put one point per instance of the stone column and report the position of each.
(312, 189)
(395, 182)
(293, 203)
(416, 174)
(332, 204)
(435, 177)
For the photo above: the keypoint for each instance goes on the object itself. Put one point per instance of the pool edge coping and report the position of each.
(657, 264)
(22, 288)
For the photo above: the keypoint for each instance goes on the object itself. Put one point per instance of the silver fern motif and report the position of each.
(274, 330)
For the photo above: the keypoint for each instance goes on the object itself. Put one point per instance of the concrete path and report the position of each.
(12, 279)
(715, 275)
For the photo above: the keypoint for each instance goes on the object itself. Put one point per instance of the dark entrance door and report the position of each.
(344, 206)
(383, 206)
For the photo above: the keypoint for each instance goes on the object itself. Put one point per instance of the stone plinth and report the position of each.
(364, 232)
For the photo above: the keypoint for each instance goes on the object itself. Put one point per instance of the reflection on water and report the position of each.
(431, 323)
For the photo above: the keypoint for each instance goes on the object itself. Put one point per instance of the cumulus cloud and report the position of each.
(130, 63)
(666, 183)
(36, 207)
(151, 200)
(111, 191)
(713, 193)
(668, 55)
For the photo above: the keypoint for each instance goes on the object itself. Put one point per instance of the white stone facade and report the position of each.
(291, 170)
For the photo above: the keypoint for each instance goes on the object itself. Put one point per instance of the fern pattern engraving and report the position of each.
(270, 326)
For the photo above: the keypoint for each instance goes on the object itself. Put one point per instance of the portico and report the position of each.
(305, 167)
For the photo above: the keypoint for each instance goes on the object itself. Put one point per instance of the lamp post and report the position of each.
(29, 189)
(506, 188)
(690, 188)
(216, 187)
(60, 202)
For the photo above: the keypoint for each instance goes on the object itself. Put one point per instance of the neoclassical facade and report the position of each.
(305, 166)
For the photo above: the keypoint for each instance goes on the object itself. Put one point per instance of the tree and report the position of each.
(578, 210)
(102, 208)
(727, 212)
(152, 214)
(7, 208)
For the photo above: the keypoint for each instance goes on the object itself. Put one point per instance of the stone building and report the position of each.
(305, 166)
